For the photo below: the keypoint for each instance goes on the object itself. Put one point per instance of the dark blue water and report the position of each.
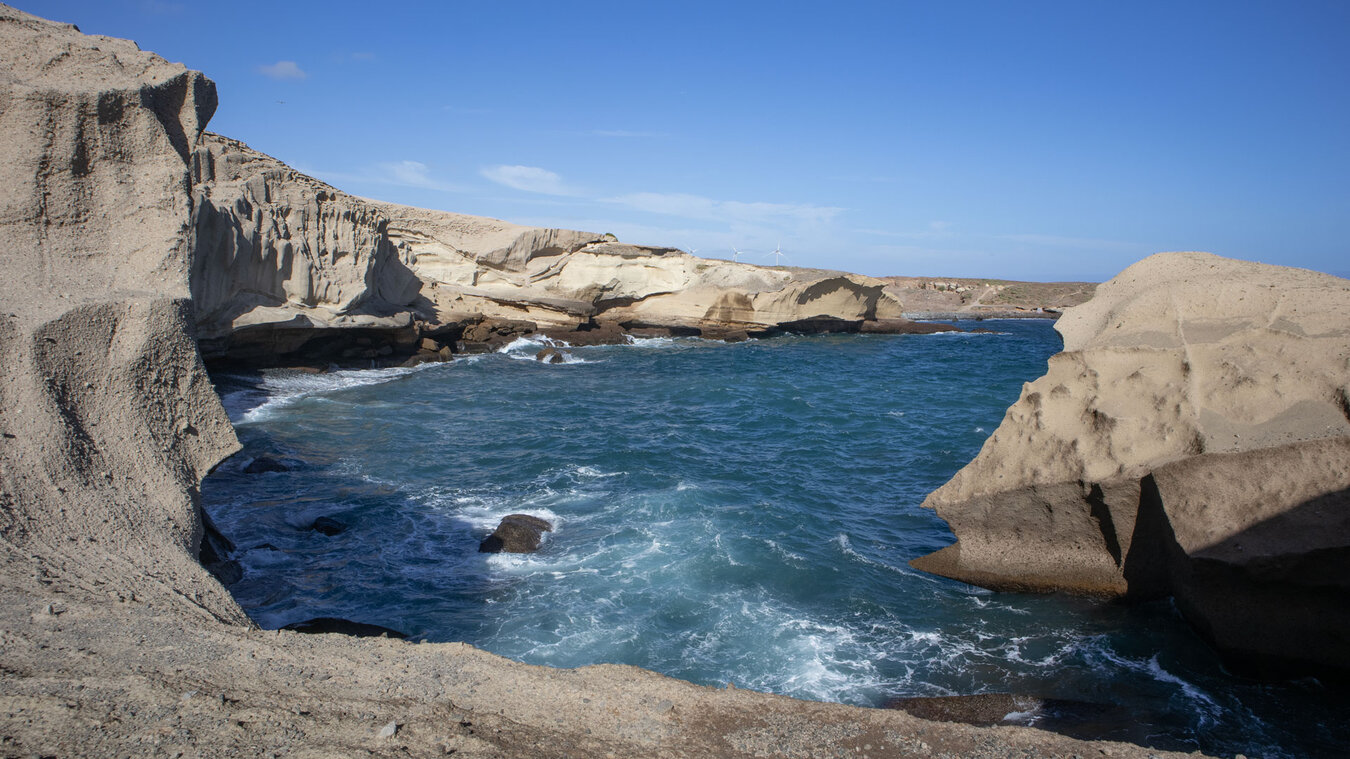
(724, 513)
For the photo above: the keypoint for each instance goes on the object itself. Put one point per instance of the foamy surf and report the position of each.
(259, 397)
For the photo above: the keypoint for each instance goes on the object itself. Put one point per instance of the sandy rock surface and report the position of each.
(1183, 357)
(114, 641)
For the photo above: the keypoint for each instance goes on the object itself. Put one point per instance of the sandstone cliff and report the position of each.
(113, 639)
(1181, 363)
(109, 420)
(563, 279)
(283, 265)
(279, 257)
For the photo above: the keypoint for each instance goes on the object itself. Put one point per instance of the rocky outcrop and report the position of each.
(565, 281)
(516, 533)
(1131, 467)
(287, 269)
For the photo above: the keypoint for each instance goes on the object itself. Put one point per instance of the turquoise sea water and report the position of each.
(724, 513)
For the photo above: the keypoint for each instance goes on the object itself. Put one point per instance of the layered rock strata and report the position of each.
(115, 641)
(286, 269)
(281, 261)
(1191, 439)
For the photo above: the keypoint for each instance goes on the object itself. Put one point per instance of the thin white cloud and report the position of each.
(698, 207)
(363, 56)
(528, 179)
(627, 133)
(413, 174)
(283, 70)
(1058, 241)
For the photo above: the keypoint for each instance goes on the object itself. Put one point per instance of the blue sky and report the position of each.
(1028, 140)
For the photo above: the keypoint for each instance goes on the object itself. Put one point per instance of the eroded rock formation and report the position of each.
(1190, 439)
(286, 268)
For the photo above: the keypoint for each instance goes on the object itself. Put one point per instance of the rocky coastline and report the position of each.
(139, 245)
(289, 271)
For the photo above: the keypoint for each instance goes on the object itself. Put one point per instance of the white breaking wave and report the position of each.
(280, 389)
(525, 348)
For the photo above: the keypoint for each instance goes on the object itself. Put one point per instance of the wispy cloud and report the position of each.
(461, 110)
(1059, 241)
(413, 174)
(363, 56)
(708, 209)
(528, 179)
(282, 70)
(861, 179)
(627, 133)
(394, 173)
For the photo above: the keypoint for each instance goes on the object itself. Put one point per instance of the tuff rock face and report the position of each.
(1178, 364)
(276, 252)
(281, 260)
(109, 419)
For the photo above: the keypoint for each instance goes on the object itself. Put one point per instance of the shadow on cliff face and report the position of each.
(1271, 606)
(1077, 719)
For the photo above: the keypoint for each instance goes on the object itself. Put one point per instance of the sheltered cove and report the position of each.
(133, 239)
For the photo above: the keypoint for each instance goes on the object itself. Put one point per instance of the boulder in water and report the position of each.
(550, 356)
(265, 464)
(517, 533)
(328, 526)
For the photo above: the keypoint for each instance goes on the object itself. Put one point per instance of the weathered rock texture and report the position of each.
(1191, 439)
(565, 280)
(114, 641)
(282, 261)
(287, 269)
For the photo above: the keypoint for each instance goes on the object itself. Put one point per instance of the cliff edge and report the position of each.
(1193, 439)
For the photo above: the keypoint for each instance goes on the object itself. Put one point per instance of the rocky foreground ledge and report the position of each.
(1192, 440)
(114, 641)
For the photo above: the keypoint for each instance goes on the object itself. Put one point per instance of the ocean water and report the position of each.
(724, 513)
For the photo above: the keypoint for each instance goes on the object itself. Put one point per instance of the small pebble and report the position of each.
(388, 730)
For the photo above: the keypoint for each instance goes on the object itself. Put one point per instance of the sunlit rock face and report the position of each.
(1095, 482)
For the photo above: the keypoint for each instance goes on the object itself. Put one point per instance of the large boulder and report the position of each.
(1105, 476)
(517, 533)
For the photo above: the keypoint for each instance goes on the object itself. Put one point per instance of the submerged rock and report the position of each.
(517, 533)
(328, 526)
(343, 627)
(265, 464)
(550, 356)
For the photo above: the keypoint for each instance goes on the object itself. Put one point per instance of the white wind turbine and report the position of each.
(735, 254)
(777, 254)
